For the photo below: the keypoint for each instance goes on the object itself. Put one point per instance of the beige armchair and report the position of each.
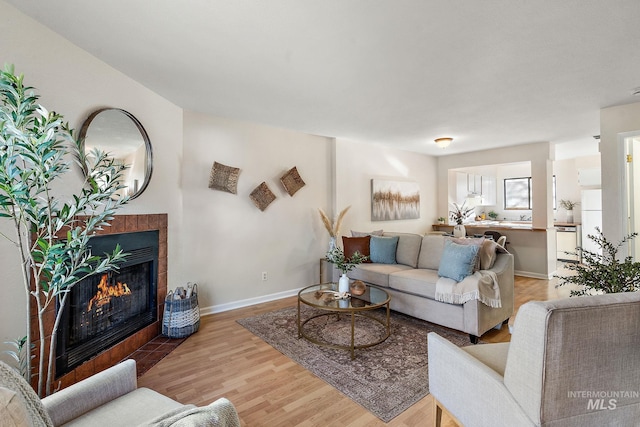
(570, 362)
(110, 397)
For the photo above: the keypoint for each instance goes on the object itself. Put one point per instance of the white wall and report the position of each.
(567, 183)
(357, 163)
(74, 83)
(228, 241)
(614, 123)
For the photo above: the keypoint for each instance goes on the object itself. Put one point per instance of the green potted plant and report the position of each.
(568, 206)
(51, 233)
(336, 257)
(602, 272)
(441, 220)
(493, 215)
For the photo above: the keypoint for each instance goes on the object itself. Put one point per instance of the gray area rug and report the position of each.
(385, 379)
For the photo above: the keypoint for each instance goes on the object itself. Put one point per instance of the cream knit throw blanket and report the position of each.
(220, 413)
(481, 285)
(27, 399)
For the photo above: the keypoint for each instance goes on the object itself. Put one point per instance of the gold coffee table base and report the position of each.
(373, 298)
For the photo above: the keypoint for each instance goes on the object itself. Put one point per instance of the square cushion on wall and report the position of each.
(291, 181)
(383, 249)
(359, 244)
(458, 261)
(224, 178)
(262, 196)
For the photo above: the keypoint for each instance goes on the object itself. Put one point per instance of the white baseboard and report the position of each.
(534, 275)
(247, 302)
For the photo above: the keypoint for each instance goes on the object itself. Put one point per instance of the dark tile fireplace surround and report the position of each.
(128, 345)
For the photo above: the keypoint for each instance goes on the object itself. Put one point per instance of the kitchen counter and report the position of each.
(534, 249)
(480, 227)
(474, 227)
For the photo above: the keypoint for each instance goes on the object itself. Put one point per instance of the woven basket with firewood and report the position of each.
(181, 312)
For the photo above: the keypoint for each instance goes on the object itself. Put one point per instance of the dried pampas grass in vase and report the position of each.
(333, 228)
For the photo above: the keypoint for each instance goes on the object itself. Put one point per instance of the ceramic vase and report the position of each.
(459, 230)
(332, 244)
(570, 217)
(343, 283)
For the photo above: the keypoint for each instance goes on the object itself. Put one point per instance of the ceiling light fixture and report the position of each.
(443, 142)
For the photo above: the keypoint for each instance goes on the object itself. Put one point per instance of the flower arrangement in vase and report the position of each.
(568, 205)
(336, 257)
(333, 228)
(459, 214)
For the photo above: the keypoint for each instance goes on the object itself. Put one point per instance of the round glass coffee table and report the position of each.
(319, 296)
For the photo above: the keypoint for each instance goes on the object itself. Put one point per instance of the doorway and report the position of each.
(632, 186)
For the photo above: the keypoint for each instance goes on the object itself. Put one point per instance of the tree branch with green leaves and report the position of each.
(52, 232)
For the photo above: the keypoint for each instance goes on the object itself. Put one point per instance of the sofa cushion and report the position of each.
(431, 251)
(376, 274)
(383, 249)
(408, 248)
(364, 233)
(468, 241)
(417, 281)
(457, 260)
(356, 244)
(488, 254)
(126, 410)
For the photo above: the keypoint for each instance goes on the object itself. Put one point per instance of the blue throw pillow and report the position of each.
(457, 260)
(383, 249)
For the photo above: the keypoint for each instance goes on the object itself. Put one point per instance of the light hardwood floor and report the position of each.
(268, 388)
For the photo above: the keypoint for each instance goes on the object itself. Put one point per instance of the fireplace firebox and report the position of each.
(104, 309)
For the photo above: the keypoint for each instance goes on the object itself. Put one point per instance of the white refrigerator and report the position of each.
(591, 205)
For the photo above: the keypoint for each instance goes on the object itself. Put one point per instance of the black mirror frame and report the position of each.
(147, 142)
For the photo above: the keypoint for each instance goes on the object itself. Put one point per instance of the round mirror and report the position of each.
(118, 133)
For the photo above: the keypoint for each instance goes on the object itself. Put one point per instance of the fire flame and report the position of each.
(106, 292)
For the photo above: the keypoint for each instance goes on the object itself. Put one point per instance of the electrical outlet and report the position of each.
(264, 275)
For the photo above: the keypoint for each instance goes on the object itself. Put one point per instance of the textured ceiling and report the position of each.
(399, 72)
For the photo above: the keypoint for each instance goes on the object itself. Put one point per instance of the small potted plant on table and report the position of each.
(336, 257)
(568, 205)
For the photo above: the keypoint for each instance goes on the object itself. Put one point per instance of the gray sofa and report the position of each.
(411, 282)
(110, 397)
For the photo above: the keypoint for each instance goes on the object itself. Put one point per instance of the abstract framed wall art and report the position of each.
(394, 200)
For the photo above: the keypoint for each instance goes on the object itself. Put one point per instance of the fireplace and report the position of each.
(105, 309)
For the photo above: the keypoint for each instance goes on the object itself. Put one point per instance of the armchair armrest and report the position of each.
(88, 394)
(470, 390)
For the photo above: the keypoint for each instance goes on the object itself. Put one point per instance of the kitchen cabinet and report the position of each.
(476, 186)
(462, 191)
(488, 191)
(567, 240)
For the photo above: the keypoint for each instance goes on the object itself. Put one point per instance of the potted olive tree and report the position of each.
(51, 233)
(603, 272)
